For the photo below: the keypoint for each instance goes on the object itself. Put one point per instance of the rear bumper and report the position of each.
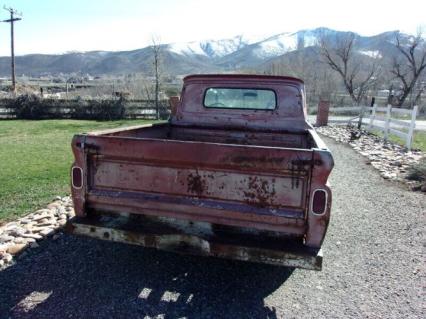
(290, 222)
(197, 238)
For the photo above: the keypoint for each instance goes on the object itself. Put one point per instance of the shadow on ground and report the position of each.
(76, 277)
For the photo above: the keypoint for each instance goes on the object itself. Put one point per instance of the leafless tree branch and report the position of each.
(340, 58)
(408, 67)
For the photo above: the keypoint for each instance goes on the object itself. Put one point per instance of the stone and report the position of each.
(61, 210)
(16, 248)
(25, 221)
(3, 248)
(53, 205)
(11, 226)
(1, 263)
(423, 188)
(17, 231)
(56, 236)
(32, 236)
(7, 258)
(46, 223)
(19, 240)
(33, 229)
(34, 245)
(6, 238)
(39, 217)
(42, 211)
(29, 226)
(396, 163)
(47, 232)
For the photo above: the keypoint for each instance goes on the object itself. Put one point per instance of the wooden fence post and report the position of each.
(388, 118)
(412, 126)
(372, 117)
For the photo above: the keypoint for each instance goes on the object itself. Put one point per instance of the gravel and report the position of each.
(373, 268)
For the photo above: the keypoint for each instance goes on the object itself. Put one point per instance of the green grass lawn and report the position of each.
(35, 158)
(419, 140)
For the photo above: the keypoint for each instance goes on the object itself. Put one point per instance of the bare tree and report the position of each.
(317, 76)
(156, 50)
(409, 65)
(340, 57)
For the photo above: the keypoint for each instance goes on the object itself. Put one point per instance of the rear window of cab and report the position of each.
(240, 98)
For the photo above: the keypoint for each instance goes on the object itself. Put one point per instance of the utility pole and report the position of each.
(156, 50)
(12, 19)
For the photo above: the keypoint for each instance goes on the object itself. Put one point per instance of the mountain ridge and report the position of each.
(238, 52)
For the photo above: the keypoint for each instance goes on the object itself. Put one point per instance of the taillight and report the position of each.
(319, 202)
(77, 177)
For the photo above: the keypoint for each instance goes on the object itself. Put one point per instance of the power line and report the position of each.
(13, 13)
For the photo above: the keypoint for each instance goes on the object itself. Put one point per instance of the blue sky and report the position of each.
(58, 26)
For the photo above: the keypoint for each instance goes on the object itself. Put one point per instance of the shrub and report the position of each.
(110, 110)
(102, 110)
(417, 172)
(29, 106)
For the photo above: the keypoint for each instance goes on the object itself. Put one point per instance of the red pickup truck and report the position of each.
(237, 172)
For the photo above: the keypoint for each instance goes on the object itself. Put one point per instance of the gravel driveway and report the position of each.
(373, 267)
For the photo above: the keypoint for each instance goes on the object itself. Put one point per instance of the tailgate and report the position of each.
(240, 185)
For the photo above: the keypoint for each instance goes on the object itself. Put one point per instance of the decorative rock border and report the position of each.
(391, 160)
(26, 231)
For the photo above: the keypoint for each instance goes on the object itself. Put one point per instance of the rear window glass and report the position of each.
(235, 98)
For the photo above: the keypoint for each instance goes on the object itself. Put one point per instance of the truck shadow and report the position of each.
(86, 278)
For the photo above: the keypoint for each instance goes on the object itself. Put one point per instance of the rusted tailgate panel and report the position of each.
(264, 187)
(261, 190)
(157, 235)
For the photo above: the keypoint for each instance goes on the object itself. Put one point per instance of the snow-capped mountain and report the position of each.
(266, 46)
(256, 47)
(240, 52)
(214, 48)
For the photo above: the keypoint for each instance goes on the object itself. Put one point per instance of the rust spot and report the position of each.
(298, 168)
(196, 184)
(308, 162)
(255, 161)
(260, 193)
(322, 221)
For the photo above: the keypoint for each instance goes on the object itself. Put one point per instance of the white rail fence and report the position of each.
(381, 118)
